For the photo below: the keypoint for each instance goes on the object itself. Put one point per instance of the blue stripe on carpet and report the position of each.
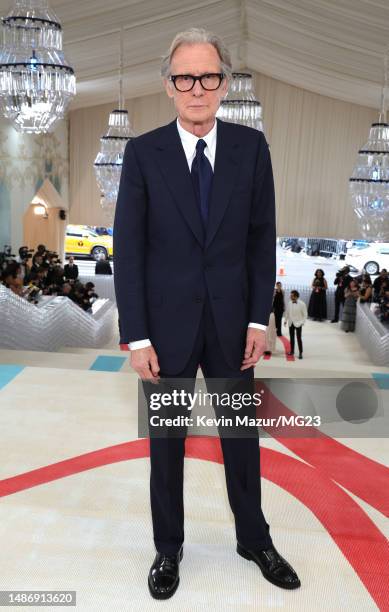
(8, 373)
(381, 379)
(106, 363)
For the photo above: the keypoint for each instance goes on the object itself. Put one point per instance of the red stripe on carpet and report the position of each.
(364, 477)
(287, 347)
(361, 542)
(352, 530)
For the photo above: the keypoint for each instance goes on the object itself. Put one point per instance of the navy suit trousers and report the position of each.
(241, 455)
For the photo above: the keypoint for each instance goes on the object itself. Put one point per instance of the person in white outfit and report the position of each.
(295, 316)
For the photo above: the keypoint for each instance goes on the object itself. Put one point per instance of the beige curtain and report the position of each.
(313, 140)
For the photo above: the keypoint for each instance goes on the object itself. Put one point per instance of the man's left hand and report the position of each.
(255, 345)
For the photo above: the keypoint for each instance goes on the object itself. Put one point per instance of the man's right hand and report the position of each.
(145, 362)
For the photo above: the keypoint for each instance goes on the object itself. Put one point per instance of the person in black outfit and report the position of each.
(37, 262)
(41, 250)
(317, 307)
(89, 296)
(278, 306)
(383, 301)
(342, 281)
(103, 266)
(179, 247)
(53, 264)
(39, 278)
(70, 291)
(365, 289)
(378, 282)
(22, 259)
(71, 270)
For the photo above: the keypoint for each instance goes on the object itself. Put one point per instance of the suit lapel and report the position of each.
(174, 167)
(224, 177)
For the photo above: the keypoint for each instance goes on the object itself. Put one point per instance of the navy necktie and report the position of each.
(202, 175)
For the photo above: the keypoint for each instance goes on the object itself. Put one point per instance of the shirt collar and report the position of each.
(189, 140)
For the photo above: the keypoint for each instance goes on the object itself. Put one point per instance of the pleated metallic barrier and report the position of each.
(372, 334)
(57, 322)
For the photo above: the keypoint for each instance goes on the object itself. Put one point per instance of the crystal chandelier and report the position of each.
(240, 105)
(369, 183)
(36, 83)
(109, 160)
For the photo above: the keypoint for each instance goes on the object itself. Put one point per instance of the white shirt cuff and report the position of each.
(138, 344)
(258, 326)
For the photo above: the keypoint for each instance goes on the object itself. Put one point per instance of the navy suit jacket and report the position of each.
(164, 260)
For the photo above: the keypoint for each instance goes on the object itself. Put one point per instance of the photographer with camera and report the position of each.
(54, 266)
(24, 255)
(46, 276)
(342, 281)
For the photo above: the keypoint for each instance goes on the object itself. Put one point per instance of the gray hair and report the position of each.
(195, 36)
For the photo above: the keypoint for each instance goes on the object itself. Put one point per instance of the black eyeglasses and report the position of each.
(185, 82)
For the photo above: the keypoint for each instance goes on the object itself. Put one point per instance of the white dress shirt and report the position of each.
(189, 142)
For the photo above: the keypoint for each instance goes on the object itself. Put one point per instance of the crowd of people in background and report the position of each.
(349, 290)
(40, 272)
(34, 273)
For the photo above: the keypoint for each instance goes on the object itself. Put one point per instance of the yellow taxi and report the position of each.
(82, 240)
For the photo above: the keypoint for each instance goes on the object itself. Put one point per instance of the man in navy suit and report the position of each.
(195, 267)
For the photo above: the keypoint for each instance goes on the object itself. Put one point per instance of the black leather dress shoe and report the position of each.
(272, 565)
(164, 575)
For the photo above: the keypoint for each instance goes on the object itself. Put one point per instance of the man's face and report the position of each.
(197, 105)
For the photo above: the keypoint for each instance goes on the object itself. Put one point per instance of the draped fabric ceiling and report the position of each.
(318, 71)
(331, 47)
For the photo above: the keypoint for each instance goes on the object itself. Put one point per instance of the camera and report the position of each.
(25, 253)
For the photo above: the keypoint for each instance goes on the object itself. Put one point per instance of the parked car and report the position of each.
(101, 231)
(371, 257)
(80, 240)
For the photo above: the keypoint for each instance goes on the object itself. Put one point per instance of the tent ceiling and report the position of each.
(332, 47)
